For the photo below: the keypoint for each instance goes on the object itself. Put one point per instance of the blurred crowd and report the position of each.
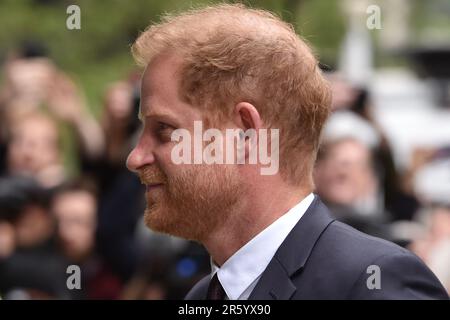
(52, 217)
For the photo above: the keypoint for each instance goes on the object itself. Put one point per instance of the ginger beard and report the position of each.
(193, 202)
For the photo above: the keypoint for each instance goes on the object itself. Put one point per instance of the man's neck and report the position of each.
(252, 218)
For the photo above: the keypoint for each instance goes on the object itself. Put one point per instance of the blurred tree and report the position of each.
(99, 52)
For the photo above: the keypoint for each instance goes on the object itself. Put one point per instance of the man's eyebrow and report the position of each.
(164, 117)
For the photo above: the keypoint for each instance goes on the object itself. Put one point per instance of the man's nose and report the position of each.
(139, 157)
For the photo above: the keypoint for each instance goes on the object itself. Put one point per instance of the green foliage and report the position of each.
(322, 24)
(99, 53)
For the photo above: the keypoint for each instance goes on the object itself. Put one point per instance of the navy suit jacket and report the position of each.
(322, 258)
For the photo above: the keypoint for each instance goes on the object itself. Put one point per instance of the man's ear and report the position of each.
(248, 120)
(246, 116)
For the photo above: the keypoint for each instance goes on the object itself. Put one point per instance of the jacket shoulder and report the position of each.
(344, 261)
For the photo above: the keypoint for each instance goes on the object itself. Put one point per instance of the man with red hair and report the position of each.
(269, 236)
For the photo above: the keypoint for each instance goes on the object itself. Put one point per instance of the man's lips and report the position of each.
(153, 186)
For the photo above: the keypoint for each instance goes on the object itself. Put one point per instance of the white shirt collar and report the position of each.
(239, 273)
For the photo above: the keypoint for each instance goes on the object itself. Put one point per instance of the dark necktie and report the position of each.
(215, 289)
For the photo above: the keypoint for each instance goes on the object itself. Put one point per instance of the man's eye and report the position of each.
(164, 131)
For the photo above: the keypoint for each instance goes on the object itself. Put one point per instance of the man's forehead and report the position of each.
(157, 106)
(159, 88)
(160, 95)
(162, 68)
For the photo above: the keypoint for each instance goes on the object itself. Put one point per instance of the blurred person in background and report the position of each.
(119, 122)
(168, 267)
(33, 82)
(346, 179)
(433, 244)
(344, 95)
(352, 116)
(74, 206)
(28, 76)
(439, 262)
(34, 149)
(26, 203)
(151, 281)
(30, 267)
(119, 190)
(68, 105)
(119, 126)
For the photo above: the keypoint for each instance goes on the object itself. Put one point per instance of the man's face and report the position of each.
(33, 146)
(186, 200)
(75, 212)
(345, 175)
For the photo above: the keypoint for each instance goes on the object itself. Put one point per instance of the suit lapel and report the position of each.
(275, 282)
